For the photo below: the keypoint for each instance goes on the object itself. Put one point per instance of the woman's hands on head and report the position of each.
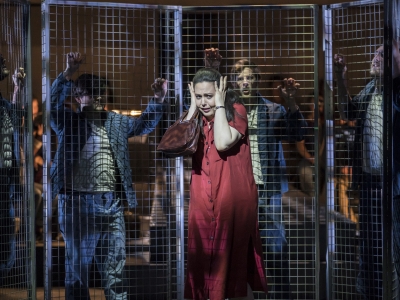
(219, 96)
(206, 95)
(192, 96)
(220, 92)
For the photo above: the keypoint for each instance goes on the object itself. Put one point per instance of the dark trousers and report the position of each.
(396, 234)
(7, 225)
(273, 237)
(369, 279)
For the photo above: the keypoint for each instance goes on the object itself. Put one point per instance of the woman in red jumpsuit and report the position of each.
(224, 246)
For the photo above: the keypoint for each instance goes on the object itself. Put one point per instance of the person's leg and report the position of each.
(306, 173)
(343, 184)
(78, 230)
(369, 279)
(110, 251)
(273, 237)
(396, 234)
(38, 191)
(7, 225)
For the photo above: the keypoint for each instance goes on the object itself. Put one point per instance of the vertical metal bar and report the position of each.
(316, 94)
(31, 260)
(328, 110)
(387, 192)
(180, 203)
(46, 146)
(166, 25)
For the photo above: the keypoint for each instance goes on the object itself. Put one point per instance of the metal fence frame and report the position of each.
(16, 49)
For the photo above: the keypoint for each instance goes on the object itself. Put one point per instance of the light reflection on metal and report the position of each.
(133, 113)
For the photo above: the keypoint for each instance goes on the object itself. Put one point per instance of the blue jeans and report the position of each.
(273, 237)
(369, 279)
(93, 226)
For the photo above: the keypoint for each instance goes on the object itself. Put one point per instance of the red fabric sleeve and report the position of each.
(240, 120)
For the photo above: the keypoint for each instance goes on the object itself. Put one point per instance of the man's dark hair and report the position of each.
(242, 64)
(89, 85)
(275, 78)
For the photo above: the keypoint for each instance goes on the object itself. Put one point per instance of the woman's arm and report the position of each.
(225, 136)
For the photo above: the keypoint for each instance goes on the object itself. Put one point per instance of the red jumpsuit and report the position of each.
(224, 246)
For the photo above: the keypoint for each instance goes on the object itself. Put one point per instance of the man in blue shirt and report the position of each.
(269, 125)
(91, 175)
(367, 109)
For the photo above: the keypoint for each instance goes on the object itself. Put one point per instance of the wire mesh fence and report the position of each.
(262, 46)
(111, 237)
(354, 78)
(16, 246)
(114, 214)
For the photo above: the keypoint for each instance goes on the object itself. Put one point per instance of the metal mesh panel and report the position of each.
(355, 199)
(280, 41)
(17, 206)
(128, 47)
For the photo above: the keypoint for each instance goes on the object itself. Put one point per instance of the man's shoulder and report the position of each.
(365, 92)
(263, 100)
(116, 118)
(369, 87)
(272, 107)
(4, 103)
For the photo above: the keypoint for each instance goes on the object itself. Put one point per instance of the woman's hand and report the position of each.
(220, 92)
(193, 106)
(192, 95)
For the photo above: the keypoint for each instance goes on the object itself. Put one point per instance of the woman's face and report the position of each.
(205, 98)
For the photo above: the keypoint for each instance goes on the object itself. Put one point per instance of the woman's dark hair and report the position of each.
(212, 75)
(89, 85)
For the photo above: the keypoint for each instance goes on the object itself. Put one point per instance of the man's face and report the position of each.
(377, 63)
(84, 100)
(247, 83)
